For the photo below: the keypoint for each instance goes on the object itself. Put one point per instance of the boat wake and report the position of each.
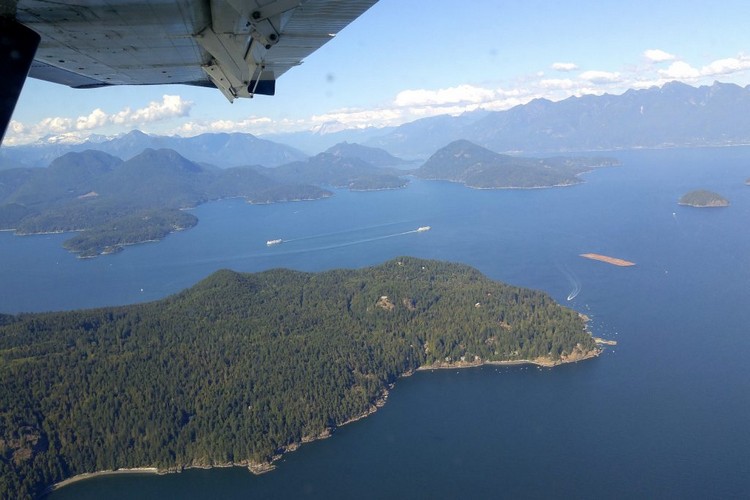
(339, 244)
(575, 283)
(365, 240)
(344, 232)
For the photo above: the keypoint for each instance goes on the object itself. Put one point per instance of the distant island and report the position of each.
(332, 168)
(477, 167)
(241, 367)
(703, 199)
(113, 203)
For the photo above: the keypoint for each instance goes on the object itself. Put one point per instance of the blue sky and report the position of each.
(404, 60)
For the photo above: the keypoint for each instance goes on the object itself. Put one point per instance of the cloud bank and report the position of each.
(407, 105)
(72, 129)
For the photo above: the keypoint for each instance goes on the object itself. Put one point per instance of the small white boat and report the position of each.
(273, 242)
(422, 229)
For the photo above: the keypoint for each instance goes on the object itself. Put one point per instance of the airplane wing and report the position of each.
(238, 46)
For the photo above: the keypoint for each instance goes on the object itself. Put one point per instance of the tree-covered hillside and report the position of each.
(115, 203)
(465, 162)
(242, 366)
(339, 171)
(374, 156)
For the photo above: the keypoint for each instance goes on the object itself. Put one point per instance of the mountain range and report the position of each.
(221, 150)
(674, 115)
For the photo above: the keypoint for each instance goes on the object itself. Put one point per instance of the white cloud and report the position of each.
(420, 103)
(600, 76)
(251, 125)
(726, 66)
(17, 127)
(679, 70)
(557, 83)
(97, 118)
(359, 117)
(452, 95)
(55, 125)
(657, 55)
(648, 83)
(564, 66)
(171, 106)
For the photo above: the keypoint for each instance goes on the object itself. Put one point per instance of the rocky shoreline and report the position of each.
(267, 466)
(256, 468)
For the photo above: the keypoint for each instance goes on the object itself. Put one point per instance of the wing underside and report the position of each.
(238, 46)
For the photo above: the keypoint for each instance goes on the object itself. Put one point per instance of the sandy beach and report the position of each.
(91, 475)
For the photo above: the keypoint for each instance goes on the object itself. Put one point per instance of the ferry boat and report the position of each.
(273, 242)
(422, 229)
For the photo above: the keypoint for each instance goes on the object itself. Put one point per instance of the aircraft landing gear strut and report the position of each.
(17, 48)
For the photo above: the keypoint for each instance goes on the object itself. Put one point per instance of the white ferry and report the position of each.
(273, 242)
(422, 229)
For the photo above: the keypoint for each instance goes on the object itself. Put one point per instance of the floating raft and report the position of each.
(609, 260)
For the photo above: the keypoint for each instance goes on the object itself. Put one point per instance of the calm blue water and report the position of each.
(662, 414)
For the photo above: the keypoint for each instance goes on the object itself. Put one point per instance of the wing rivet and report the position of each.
(273, 37)
(256, 15)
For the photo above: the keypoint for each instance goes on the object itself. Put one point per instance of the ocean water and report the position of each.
(662, 414)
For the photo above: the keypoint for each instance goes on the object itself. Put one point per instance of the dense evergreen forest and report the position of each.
(241, 367)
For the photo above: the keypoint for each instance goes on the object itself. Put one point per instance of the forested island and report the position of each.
(114, 203)
(474, 166)
(242, 367)
(335, 169)
(703, 199)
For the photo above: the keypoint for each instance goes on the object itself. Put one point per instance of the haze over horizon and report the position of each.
(385, 69)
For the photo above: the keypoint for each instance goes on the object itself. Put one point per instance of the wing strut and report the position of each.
(17, 48)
